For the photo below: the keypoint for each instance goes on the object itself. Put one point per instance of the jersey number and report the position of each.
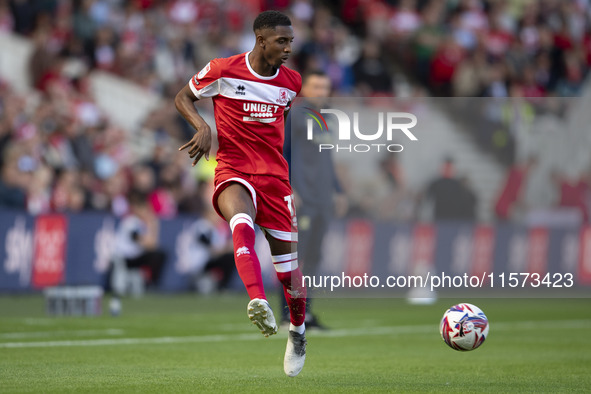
(290, 200)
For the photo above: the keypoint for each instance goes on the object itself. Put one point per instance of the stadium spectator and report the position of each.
(445, 61)
(426, 41)
(451, 196)
(39, 191)
(405, 20)
(370, 72)
(470, 77)
(137, 239)
(66, 180)
(115, 190)
(164, 198)
(143, 179)
(14, 179)
(211, 257)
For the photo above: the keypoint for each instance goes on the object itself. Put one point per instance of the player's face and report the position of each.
(277, 46)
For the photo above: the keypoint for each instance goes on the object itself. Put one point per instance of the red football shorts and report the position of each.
(272, 198)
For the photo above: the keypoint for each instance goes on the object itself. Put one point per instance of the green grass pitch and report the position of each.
(191, 344)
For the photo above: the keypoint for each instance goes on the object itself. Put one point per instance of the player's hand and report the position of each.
(200, 144)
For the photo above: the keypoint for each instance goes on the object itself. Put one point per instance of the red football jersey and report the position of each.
(248, 111)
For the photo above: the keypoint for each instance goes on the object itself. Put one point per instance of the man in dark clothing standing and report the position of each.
(313, 179)
(452, 198)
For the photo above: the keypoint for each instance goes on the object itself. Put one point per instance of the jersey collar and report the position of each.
(254, 72)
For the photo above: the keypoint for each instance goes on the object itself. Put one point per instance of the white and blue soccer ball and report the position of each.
(464, 327)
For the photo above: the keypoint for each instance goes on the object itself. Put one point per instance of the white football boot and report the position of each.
(295, 354)
(260, 313)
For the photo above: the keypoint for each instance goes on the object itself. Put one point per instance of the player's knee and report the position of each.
(241, 218)
(281, 242)
(243, 236)
(235, 199)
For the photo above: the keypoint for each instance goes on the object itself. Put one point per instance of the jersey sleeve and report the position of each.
(206, 83)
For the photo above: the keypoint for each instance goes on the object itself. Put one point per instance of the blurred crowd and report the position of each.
(61, 153)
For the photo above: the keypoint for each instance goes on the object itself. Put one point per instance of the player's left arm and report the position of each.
(200, 144)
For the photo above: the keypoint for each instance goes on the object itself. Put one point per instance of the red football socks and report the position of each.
(247, 262)
(249, 269)
(291, 278)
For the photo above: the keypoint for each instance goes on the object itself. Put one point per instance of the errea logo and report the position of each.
(240, 90)
(242, 250)
(345, 127)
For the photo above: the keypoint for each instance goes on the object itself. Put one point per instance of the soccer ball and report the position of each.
(464, 327)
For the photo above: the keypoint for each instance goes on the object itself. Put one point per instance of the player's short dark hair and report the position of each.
(270, 20)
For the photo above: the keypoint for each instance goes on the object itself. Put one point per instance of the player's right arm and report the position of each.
(200, 144)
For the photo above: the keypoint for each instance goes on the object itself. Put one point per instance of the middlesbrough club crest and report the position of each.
(283, 96)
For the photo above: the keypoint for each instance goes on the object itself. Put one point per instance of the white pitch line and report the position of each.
(132, 341)
(543, 325)
(39, 321)
(76, 333)
(337, 333)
